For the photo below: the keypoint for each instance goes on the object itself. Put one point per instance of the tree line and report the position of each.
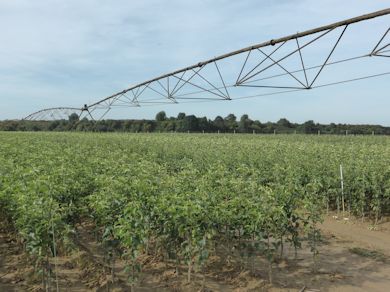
(191, 123)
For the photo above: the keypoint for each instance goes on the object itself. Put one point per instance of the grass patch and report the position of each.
(376, 255)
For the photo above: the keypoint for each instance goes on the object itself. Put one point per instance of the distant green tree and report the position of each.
(191, 123)
(284, 123)
(11, 126)
(170, 126)
(309, 127)
(147, 127)
(219, 123)
(231, 122)
(204, 124)
(137, 126)
(257, 126)
(73, 118)
(161, 116)
(181, 116)
(269, 127)
(53, 125)
(245, 124)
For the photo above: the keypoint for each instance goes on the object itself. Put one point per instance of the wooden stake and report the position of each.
(342, 188)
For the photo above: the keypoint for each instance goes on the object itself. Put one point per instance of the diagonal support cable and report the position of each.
(271, 86)
(151, 88)
(89, 113)
(212, 85)
(135, 99)
(136, 93)
(382, 48)
(177, 83)
(142, 91)
(163, 87)
(170, 97)
(243, 79)
(303, 64)
(223, 81)
(243, 66)
(310, 68)
(203, 89)
(288, 55)
(330, 54)
(382, 38)
(282, 74)
(187, 80)
(132, 101)
(104, 114)
(277, 63)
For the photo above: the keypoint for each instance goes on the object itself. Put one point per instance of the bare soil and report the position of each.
(361, 233)
(353, 257)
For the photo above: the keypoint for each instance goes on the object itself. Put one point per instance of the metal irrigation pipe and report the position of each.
(264, 44)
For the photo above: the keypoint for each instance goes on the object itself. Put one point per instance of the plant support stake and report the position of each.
(342, 188)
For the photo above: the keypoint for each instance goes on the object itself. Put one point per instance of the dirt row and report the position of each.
(353, 257)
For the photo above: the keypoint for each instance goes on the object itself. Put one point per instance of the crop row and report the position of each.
(184, 197)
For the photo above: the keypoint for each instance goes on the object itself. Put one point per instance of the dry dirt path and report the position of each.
(359, 234)
(357, 272)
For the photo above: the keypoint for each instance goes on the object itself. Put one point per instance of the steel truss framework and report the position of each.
(207, 78)
(55, 113)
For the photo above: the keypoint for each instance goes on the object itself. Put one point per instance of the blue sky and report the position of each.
(67, 53)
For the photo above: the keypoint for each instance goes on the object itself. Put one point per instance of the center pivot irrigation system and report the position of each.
(273, 67)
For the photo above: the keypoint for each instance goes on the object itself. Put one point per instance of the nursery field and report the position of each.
(193, 212)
